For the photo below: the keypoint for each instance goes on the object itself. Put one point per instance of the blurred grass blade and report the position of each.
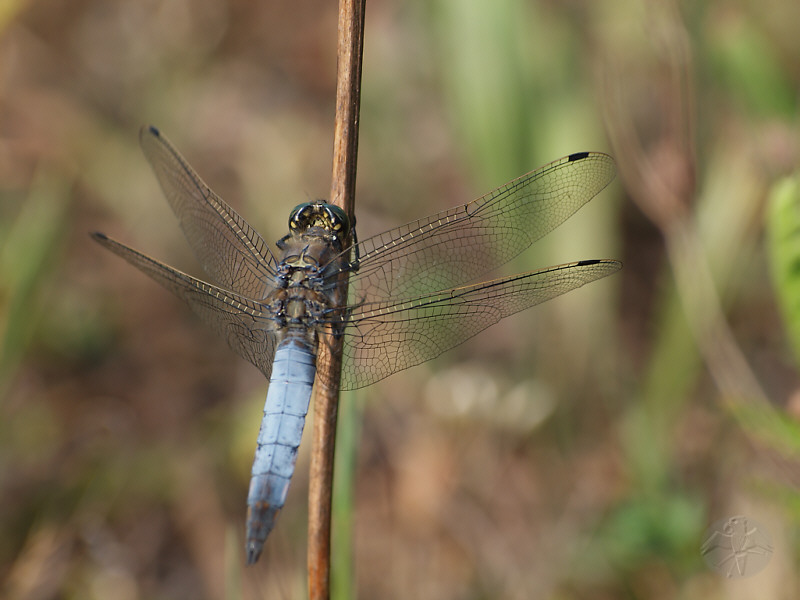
(9, 9)
(26, 253)
(233, 564)
(783, 239)
(343, 583)
(772, 427)
(489, 100)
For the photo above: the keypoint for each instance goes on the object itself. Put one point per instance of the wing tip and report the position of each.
(610, 264)
(149, 130)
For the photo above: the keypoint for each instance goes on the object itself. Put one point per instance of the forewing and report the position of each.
(243, 322)
(456, 246)
(231, 252)
(386, 337)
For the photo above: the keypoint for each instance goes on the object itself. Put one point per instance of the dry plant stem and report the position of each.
(343, 180)
(348, 102)
(666, 194)
(738, 385)
(703, 309)
(660, 176)
(662, 180)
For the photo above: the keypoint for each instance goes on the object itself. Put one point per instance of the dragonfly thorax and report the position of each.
(304, 284)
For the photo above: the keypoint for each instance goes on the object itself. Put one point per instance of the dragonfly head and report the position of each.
(319, 214)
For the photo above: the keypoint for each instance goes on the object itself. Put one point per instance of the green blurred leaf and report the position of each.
(486, 82)
(9, 9)
(749, 63)
(771, 426)
(643, 530)
(347, 439)
(29, 247)
(783, 239)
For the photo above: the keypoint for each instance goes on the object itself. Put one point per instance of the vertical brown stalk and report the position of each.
(660, 173)
(350, 46)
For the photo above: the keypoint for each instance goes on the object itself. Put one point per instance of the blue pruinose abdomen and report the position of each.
(285, 412)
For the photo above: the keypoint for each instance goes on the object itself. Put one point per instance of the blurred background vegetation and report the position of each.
(578, 450)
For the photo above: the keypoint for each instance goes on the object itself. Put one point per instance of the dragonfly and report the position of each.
(414, 291)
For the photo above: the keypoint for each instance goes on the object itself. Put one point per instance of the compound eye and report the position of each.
(298, 218)
(339, 222)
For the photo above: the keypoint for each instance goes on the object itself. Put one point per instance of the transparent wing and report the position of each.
(244, 323)
(386, 337)
(456, 246)
(231, 252)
